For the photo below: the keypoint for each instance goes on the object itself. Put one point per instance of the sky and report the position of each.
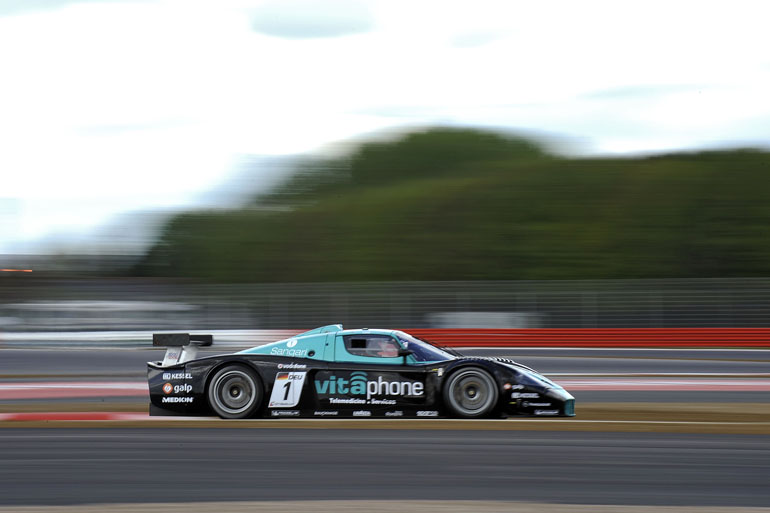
(109, 108)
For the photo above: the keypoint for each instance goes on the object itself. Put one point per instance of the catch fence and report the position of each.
(586, 304)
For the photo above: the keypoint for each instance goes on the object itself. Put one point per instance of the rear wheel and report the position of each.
(235, 392)
(470, 393)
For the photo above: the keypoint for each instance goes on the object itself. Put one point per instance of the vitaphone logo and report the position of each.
(358, 384)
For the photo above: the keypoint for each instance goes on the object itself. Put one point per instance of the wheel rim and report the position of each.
(234, 392)
(471, 393)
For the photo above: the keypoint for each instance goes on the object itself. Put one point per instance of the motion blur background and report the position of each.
(253, 169)
(174, 165)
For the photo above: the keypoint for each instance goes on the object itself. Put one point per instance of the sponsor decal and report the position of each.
(292, 366)
(427, 413)
(362, 413)
(287, 389)
(173, 355)
(524, 395)
(284, 413)
(326, 413)
(397, 413)
(440, 372)
(517, 387)
(168, 376)
(291, 343)
(546, 412)
(297, 353)
(359, 384)
(389, 402)
(168, 388)
(186, 388)
(527, 404)
(177, 399)
(346, 400)
(507, 386)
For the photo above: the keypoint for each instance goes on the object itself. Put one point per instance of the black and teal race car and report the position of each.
(332, 372)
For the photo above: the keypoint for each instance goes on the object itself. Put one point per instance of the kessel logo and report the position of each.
(177, 375)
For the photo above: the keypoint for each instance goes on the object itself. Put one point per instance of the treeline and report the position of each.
(452, 204)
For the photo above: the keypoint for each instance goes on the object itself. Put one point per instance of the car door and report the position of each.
(369, 378)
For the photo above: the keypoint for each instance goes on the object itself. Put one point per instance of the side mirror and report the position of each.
(405, 352)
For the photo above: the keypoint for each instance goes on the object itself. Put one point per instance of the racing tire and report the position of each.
(470, 393)
(235, 392)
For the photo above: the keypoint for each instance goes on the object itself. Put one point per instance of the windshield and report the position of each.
(422, 351)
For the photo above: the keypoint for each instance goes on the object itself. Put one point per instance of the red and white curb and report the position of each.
(71, 389)
(47, 416)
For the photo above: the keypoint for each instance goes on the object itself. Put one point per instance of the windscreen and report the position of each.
(422, 351)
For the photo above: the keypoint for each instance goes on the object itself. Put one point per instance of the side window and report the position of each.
(377, 346)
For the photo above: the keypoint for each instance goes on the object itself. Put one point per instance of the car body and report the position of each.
(332, 372)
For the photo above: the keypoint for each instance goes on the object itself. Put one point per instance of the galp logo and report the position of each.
(168, 388)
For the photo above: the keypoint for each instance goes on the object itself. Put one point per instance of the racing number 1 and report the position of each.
(287, 389)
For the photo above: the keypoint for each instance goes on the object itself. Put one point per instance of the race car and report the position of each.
(333, 372)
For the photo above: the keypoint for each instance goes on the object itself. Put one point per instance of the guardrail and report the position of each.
(607, 337)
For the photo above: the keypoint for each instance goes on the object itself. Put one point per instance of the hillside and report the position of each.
(450, 204)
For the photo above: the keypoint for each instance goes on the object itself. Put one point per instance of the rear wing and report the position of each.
(182, 347)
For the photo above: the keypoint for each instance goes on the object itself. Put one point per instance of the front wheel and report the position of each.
(235, 392)
(470, 393)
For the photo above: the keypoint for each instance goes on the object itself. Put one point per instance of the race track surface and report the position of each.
(80, 466)
(146, 463)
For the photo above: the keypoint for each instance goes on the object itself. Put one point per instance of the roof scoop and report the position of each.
(330, 328)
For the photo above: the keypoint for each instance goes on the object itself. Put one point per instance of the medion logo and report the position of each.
(358, 384)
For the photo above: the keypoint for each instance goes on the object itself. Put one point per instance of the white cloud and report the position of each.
(108, 106)
(308, 19)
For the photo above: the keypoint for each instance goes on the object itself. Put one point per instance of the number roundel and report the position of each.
(287, 389)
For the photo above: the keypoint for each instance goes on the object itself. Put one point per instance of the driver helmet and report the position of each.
(387, 349)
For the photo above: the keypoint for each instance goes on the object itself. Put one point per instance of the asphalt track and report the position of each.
(81, 466)
(148, 464)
